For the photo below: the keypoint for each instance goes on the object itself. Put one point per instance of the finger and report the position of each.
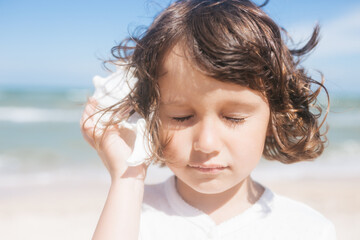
(87, 122)
(89, 140)
(91, 107)
(89, 116)
(87, 112)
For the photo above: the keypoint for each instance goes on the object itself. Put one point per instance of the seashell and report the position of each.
(111, 90)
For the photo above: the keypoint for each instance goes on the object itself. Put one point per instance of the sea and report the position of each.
(40, 137)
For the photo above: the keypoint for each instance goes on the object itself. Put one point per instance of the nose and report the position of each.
(207, 138)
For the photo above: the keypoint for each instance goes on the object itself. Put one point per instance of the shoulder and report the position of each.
(155, 196)
(289, 208)
(299, 217)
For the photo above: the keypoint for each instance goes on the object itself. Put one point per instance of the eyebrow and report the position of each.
(229, 103)
(245, 105)
(172, 102)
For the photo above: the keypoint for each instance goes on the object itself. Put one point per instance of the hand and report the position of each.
(113, 147)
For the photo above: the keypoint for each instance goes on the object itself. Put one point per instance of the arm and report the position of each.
(120, 218)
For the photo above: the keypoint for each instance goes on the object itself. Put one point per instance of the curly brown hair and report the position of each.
(232, 41)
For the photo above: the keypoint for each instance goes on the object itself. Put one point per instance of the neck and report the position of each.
(225, 205)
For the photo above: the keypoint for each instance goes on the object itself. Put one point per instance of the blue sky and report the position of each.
(59, 43)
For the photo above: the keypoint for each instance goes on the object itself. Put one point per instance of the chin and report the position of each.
(212, 186)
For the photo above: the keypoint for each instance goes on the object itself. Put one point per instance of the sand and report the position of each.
(67, 205)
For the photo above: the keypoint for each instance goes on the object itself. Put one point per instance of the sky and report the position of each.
(61, 44)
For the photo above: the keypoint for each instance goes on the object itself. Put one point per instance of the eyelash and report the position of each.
(235, 120)
(232, 121)
(181, 119)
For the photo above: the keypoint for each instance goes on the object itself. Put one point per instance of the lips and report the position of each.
(209, 168)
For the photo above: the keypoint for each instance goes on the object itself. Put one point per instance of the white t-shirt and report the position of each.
(165, 215)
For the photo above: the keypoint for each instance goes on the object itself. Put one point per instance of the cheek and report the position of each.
(172, 143)
(178, 146)
(248, 143)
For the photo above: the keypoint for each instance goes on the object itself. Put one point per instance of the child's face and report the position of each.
(218, 129)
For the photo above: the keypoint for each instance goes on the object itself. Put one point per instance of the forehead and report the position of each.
(179, 72)
(180, 81)
(175, 61)
(178, 76)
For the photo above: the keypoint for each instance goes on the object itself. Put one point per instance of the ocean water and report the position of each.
(39, 132)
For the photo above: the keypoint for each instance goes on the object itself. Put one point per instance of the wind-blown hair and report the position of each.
(232, 41)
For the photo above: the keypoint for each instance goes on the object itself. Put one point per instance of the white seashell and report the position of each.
(109, 91)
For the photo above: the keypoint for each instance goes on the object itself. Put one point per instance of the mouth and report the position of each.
(211, 168)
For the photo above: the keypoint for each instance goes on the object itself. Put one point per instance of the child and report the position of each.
(218, 89)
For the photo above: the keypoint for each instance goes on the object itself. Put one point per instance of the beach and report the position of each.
(67, 205)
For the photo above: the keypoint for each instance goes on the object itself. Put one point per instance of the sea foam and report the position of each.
(31, 114)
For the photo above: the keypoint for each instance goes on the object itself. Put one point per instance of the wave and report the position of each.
(344, 119)
(29, 114)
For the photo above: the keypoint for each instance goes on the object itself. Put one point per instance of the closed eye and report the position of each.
(231, 119)
(235, 120)
(182, 119)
